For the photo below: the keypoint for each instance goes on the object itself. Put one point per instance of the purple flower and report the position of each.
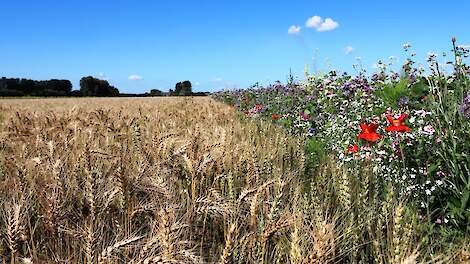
(465, 107)
(309, 98)
(311, 132)
(366, 87)
(403, 101)
(376, 77)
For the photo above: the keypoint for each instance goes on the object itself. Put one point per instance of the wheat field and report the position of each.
(180, 180)
(140, 181)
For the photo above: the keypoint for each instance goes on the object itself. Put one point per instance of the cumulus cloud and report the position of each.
(321, 25)
(348, 50)
(313, 22)
(135, 77)
(197, 83)
(293, 30)
(328, 25)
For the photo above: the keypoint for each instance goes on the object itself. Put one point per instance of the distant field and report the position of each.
(88, 103)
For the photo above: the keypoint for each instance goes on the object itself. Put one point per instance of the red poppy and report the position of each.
(397, 125)
(353, 149)
(275, 116)
(258, 106)
(368, 132)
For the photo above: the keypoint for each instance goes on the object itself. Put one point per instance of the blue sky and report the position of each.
(143, 44)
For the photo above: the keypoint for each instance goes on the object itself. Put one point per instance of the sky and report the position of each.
(216, 44)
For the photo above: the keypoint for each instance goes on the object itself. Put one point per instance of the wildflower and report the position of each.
(275, 116)
(397, 125)
(311, 132)
(422, 113)
(369, 132)
(406, 46)
(353, 149)
(381, 152)
(431, 56)
(428, 130)
(465, 107)
(304, 116)
(403, 101)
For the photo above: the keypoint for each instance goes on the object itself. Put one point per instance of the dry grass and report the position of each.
(179, 180)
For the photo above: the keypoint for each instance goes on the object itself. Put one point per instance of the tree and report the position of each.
(60, 86)
(183, 88)
(87, 86)
(187, 88)
(90, 86)
(155, 92)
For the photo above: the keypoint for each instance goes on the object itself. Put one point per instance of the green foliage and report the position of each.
(391, 92)
(451, 153)
(316, 150)
(419, 89)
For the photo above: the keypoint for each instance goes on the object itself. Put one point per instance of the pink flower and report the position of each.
(428, 130)
(304, 116)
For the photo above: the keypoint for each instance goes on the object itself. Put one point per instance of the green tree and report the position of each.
(183, 88)
(90, 86)
(156, 92)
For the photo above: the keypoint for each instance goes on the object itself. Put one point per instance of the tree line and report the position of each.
(26, 87)
(89, 86)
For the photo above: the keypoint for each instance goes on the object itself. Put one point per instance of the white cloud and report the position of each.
(197, 83)
(218, 79)
(328, 25)
(293, 30)
(348, 50)
(313, 22)
(135, 77)
(321, 25)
